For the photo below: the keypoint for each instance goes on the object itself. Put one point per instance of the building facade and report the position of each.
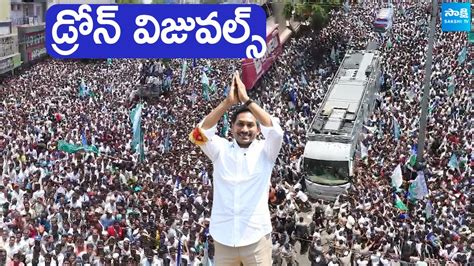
(27, 12)
(9, 56)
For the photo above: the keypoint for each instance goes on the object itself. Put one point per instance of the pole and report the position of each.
(426, 89)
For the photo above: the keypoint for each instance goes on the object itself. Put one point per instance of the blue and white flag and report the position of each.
(453, 162)
(462, 55)
(204, 176)
(136, 120)
(167, 142)
(346, 6)
(396, 129)
(206, 261)
(418, 189)
(183, 71)
(82, 88)
(397, 178)
(225, 125)
(364, 153)
(451, 84)
(303, 80)
(226, 91)
(432, 107)
(205, 86)
(428, 210)
(333, 54)
(213, 87)
(178, 253)
(84, 139)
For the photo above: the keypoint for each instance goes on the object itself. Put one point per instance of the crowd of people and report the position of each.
(111, 208)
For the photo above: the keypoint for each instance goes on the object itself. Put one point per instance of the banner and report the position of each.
(253, 69)
(155, 31)
(6, 64)
(34, 44)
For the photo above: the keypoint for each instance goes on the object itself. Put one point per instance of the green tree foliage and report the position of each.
(303, 11)
(288, 10)
(319, 17)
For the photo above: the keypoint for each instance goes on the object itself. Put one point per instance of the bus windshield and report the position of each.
(331, 173)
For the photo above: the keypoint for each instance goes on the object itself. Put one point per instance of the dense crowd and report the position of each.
(61, 208)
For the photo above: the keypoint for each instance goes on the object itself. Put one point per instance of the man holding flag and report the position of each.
(240, 217)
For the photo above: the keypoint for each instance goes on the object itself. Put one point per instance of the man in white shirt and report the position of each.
(12, 248)
(240, 217)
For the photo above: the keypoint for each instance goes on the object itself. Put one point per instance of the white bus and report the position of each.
(333, 136)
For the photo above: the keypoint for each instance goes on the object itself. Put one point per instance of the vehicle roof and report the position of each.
(339, 109)
(330, 151)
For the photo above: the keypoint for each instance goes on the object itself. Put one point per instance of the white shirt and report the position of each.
(375, 259)
(303, 197)
(385, 262)
(240, 214)
(350, 222)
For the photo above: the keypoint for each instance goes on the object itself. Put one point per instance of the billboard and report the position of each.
(253, 69)
(6, 64)
(32, 38)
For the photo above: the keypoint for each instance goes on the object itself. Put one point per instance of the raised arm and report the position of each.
(213, 117)
(216, 114)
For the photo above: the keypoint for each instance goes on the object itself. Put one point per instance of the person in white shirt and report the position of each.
(12, 248)
(384, 260)
(302, 198)
(375, 258)
(240, 217)
(334, 261)
(361, 261)
(346, 258)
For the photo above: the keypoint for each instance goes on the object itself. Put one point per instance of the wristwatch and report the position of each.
(248, 102)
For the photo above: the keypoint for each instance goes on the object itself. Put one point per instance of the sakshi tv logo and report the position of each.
(456, 17)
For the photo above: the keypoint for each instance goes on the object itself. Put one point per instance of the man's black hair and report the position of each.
(241, 109)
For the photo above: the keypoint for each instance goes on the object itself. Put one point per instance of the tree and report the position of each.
(303, 11)
(288, 10)
(319, 17)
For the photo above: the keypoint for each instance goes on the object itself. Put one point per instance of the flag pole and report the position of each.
(426, 90)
